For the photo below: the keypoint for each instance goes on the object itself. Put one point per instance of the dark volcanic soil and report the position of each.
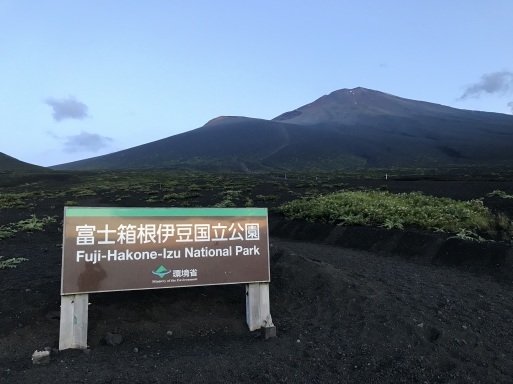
(389, 312)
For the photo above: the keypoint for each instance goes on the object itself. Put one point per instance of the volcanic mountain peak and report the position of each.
(347, 106)
(346, 129)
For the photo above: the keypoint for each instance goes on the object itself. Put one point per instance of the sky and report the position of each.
(84, 78)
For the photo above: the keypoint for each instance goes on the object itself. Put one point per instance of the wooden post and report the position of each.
(73, 330)
(258, 311)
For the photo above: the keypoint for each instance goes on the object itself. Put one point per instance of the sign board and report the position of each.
(118, 249)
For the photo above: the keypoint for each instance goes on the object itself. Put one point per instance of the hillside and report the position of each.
(347, 129)
(10, 164)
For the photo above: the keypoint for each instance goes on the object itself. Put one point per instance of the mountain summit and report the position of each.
(347, 106)
(347, 129)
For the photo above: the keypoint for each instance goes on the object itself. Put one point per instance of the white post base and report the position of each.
(258, 312)
(74, 312)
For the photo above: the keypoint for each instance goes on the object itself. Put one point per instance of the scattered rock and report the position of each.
(41, 357)
(113, 339)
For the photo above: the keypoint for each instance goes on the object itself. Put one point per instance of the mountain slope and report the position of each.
(10, 164)
(348, 106)
(347, 129)
(218, 145)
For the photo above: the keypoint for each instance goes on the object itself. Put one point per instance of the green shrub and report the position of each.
(11, 263)
(181, 195)
(500, 193)
(232, 194)
(83, 192)
(6, 232)
(389, 210)
(13, 200)
(226, 203)
(33, 224)
(465, 234)
(266, 197)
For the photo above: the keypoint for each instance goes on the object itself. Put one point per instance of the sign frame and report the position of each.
(107, 261)
(226, 256)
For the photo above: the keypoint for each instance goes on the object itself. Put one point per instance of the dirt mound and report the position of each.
(491, 257)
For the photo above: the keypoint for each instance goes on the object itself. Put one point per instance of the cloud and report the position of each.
(86, 142)
(493, 83)
(510, 104)
(69, 108)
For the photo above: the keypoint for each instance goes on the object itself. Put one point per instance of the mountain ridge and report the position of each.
(346, 129)
(10, 164)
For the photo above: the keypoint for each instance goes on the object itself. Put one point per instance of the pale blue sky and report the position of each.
(85, 78)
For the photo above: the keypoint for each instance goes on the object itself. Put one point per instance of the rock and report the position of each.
(420, 325)
(169, 333)
(113, 339)
(136, 350)
(41, 357)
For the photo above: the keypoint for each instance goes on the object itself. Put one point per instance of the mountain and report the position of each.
(347, 129)
(10, 164)
(350, 106)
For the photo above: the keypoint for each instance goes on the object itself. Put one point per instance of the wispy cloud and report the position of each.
(510, 104)
(86, 142)
(68, 108)
(492, 83)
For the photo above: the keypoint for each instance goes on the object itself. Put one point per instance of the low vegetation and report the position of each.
(11, 263)
(381, 208)
(336, 197)
(28, 225)
(6, 232)
(499, 193)
(13, 200)
(33, 224)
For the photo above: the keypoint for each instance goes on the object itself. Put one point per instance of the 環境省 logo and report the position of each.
(161, 271)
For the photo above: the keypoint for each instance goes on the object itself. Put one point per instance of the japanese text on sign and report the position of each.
(162, 233)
